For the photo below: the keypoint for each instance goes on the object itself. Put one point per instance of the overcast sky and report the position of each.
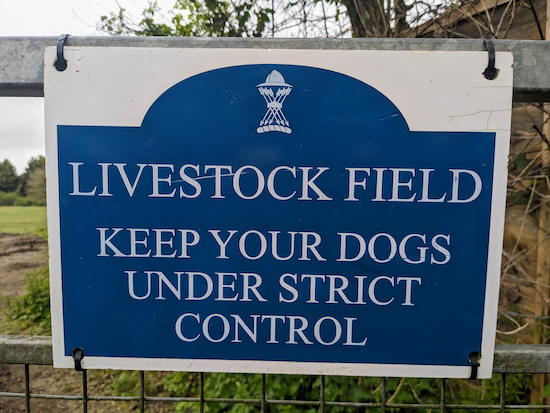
(22, 119)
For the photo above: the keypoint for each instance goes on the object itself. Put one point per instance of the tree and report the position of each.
(33, 164)
(36, 185)
(9, 181)
(193, 18)
(257, 18)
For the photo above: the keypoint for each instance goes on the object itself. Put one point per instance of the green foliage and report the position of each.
(27, 189)
(36, 186)
(294, 387)
(520, 162)
(14, 199)
(32, 165)
(530, 193)
(545, 392)
(240, 386)
(517, 389)
(483, 392)
(520, 198)
(9, 181)
(339, 389)
(31, 311)
(212, 18)
(126, 383)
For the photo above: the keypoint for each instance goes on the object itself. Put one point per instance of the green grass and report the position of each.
(23, 220)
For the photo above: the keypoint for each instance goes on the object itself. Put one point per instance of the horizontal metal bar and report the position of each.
(172, 399)
(9, 394)
(41, 396)
(229, 400)
(509, 358)
(360, 405)
(114, 398)
(281, 402)
(70, 397)
(22, 72)
(497, 406)
(521, 358)
(35, 350)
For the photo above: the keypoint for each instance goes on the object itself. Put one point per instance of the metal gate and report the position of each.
(21, 74)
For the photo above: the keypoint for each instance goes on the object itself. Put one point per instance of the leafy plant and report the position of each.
(126, 383)
(15, 199)
(31, 311)
(245, 18)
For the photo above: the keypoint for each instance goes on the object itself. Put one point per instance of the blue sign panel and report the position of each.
(274, 213)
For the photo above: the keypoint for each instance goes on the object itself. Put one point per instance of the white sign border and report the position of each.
(98, 65)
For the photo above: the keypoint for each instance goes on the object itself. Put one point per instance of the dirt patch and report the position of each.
(19, 255)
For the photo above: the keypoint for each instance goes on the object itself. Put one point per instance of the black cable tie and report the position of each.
(473, 359)
(78, 355)
(491, 72)
(61, 62)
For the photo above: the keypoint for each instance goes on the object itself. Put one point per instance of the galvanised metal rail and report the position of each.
(509, 359)
(22, 58)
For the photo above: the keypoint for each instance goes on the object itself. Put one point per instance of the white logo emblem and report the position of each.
(274, 91)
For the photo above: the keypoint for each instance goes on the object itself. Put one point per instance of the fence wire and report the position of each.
(263, 403)
(509, 359)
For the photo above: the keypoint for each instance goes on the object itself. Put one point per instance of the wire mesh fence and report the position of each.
(509, 360)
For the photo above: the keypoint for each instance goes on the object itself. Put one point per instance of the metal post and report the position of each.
(142, 391)
(502, 392)
(322, 407)
(383, 395)
(201, 393)
(84, 391)
(27, 390)
(263, 394)
(443, 408)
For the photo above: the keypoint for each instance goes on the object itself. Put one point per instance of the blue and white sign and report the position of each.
(276, 211)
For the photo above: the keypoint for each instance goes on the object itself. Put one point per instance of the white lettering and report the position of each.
(343, 246)
(76, 181)
(130, 188)
(218, 178)
(187, 179)
(157, 180)
(408, 287)
(372, 288)
(308, 183)
(237, 183)
(179, 321)
(222, 244)
(131, 285)
(393, 248)
(337, 332)
(353, 183)
(397, 184)
(289, 288)
(242, 245)
(271, 182)
(456, 180)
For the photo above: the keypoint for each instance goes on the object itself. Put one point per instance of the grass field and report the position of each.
(23, 220)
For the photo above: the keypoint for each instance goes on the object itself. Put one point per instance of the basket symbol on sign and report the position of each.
(274, 91)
